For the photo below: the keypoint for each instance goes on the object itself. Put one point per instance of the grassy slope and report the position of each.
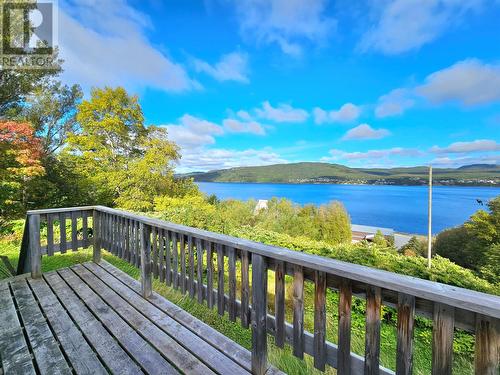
(281, 358)
(300, 171)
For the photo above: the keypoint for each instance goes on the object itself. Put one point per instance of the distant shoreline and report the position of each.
(435, 184)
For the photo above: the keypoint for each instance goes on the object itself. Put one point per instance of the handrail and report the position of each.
(175, 253)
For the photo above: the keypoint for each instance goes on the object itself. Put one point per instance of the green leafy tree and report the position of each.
(51, 109)
(124, 162)
(414, 247)
(379, 239)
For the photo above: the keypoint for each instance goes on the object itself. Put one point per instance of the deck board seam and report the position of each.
(125, 321)
(75, 324)
(25, 333)
(54, 335)
(203, 360)
(141, 334)
(130, 355)
(179, 321)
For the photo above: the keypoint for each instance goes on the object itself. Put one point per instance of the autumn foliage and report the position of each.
(20, 161)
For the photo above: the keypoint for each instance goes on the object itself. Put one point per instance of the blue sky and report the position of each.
(253, 82)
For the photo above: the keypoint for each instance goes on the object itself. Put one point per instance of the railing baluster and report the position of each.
(74, 231)
(442, 339)
(199, 273)
(34, 246)
(245, 289)
(182, 249)
(259, 307)
(123, 254)
(85, 228)
(372, 336)
(232, 284)
(161, 254)
(320, 320)
(298, 311)
(154, 238)
(344, 341)
(279, 303)
(137, 244)
(127, 239)
(50, 235)
(191, 267)
(175, 253)
(487, 350)
(168, 258)
(62, 232)
(406, 320)
(146, 279)
(96, 234)
(220, 277)
(210, 275)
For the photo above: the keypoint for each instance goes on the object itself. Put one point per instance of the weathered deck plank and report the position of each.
(215, 338)
(204, 351)
(48, 355)
(150, 360)
(179, 356)
(80, 354)
(14, 353)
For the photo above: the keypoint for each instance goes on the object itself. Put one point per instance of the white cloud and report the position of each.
(244, 115)
(365, 131)
(348, 112)
(238, 126)
(480, 145)
(287, 23)
(105, 43)
(209, 159)
(403, 25)
(373, 154)
(193, 132)
(470, 82)
(394, 103)
(448, 162)
(282, 113)
(230, 67)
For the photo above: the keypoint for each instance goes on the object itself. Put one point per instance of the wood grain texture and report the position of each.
(199, 271)
(232, 283)
(405, 327)
(487, 350)
(34, 245)
(191, 267)
(245, 290)
(259, 309)
(210, 275)
(146, 275)
(279, 304)
(344, 341)
(220, 279)
(442, 339)
(298, 312)
(372, 330)
(320, 321)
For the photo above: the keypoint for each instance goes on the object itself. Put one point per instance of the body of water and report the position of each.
(403, 208)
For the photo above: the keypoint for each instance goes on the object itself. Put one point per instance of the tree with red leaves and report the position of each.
(20, 153)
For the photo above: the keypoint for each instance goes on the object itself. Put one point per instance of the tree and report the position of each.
(124, 162)
(20, 153)
(414, 247)
(51, 109)
(16, 84)
(335, 223)
(476, 244)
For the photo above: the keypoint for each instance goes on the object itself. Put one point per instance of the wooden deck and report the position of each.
(92, 319)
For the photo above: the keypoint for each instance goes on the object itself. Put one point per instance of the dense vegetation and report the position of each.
(57, 149)
(335, 173)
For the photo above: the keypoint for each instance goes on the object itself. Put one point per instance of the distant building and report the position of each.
(365, 232)
(261, 205)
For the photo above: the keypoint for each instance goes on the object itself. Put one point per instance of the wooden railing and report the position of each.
(194, 261)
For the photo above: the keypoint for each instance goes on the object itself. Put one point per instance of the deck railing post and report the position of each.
(96, 233)
(146, 277)
(259, 309)
(34, 245)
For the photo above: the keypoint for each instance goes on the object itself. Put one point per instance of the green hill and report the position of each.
(481, 174)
